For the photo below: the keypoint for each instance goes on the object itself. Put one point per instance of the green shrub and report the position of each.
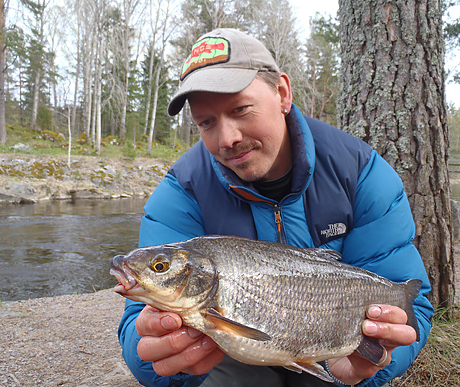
(45, 118)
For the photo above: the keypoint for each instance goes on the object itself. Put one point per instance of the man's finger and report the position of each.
(188, 358)
(152, 322)
(151, 348)
(387, 313)
(207, 363)
(394, 334)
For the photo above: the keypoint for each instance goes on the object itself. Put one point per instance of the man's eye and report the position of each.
(240, 109)
(204, 124)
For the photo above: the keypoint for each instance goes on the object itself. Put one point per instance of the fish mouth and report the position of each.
(128, 285)
(127, 282)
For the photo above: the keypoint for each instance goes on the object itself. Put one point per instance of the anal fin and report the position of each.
(234, 327)
(314, 369)
(371, 349)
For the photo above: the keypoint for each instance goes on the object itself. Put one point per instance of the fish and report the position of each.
(264, 303)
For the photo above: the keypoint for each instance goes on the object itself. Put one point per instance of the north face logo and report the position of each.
(334, 230)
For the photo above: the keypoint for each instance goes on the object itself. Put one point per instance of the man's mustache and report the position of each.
(237, 150)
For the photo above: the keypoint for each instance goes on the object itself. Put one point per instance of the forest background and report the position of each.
(98, 74)
(103, 71)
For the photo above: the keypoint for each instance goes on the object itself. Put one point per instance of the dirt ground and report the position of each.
(63, 341)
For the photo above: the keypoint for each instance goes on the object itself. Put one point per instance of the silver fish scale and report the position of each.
(280, 288)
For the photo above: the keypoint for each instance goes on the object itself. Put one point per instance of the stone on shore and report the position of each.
(28, 179)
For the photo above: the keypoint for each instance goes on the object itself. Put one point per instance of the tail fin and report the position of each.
(412, 290)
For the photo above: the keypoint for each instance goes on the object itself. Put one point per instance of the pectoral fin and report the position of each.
(234, 327)
(312, 368)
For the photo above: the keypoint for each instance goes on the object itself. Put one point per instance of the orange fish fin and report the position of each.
(234, 327)
(312, 368)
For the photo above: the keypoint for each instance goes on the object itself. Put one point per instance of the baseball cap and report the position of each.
(224, 60)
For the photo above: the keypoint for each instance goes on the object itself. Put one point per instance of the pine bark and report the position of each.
(392, 95)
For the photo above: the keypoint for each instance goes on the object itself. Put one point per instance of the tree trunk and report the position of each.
(156, 84)
(124, 93)
(149, 88)
(156, 87)
(88, 48)
(124, 107)
(55, 96)
(2, 74)
(186, 124)
(88, 81)
(392, 96)
(98, 98)
(78, 67)
(36, 95)
(39, 70)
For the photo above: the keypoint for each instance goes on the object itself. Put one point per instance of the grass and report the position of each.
(44, 142)
(438, 364)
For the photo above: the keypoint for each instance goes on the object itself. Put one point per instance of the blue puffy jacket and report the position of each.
(344, 197)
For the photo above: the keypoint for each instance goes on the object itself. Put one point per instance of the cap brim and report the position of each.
(221, 80)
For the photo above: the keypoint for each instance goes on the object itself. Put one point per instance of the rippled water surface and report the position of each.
(56, 248)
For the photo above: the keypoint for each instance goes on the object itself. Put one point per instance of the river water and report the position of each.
(55, 248)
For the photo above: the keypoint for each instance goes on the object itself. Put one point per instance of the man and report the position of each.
(264, 171)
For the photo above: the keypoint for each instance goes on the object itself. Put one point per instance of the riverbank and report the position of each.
(32, 178)
(63, 341)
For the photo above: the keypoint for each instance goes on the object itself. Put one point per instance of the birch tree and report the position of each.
(101, 36)
(78, 8)
(128, 12)
(318, 96)
(154, 25)
(164, 33)
(89, 20)
(275, 27)
(37, 52)
(392, 96)
(55, 35)
(3, 12)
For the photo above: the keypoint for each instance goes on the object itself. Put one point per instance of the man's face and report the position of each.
(246, 131)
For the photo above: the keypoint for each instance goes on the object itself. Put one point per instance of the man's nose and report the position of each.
(229, 133)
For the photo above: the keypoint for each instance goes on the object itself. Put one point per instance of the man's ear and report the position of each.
(285, 92)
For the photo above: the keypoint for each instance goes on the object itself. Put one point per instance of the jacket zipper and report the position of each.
(276, 209)
(279, 225)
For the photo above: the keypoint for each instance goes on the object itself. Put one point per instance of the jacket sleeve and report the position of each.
(171, 215)
(381, 242)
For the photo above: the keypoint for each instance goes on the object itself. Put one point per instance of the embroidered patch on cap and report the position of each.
(205, 52)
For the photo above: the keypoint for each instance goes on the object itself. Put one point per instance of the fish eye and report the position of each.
(160, 265)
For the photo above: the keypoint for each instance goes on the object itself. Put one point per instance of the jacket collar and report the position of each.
(303, 161)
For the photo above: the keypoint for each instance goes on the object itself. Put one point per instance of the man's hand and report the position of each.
(172, 347)
(386, 323)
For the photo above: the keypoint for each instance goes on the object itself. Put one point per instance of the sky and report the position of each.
(305, 9)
